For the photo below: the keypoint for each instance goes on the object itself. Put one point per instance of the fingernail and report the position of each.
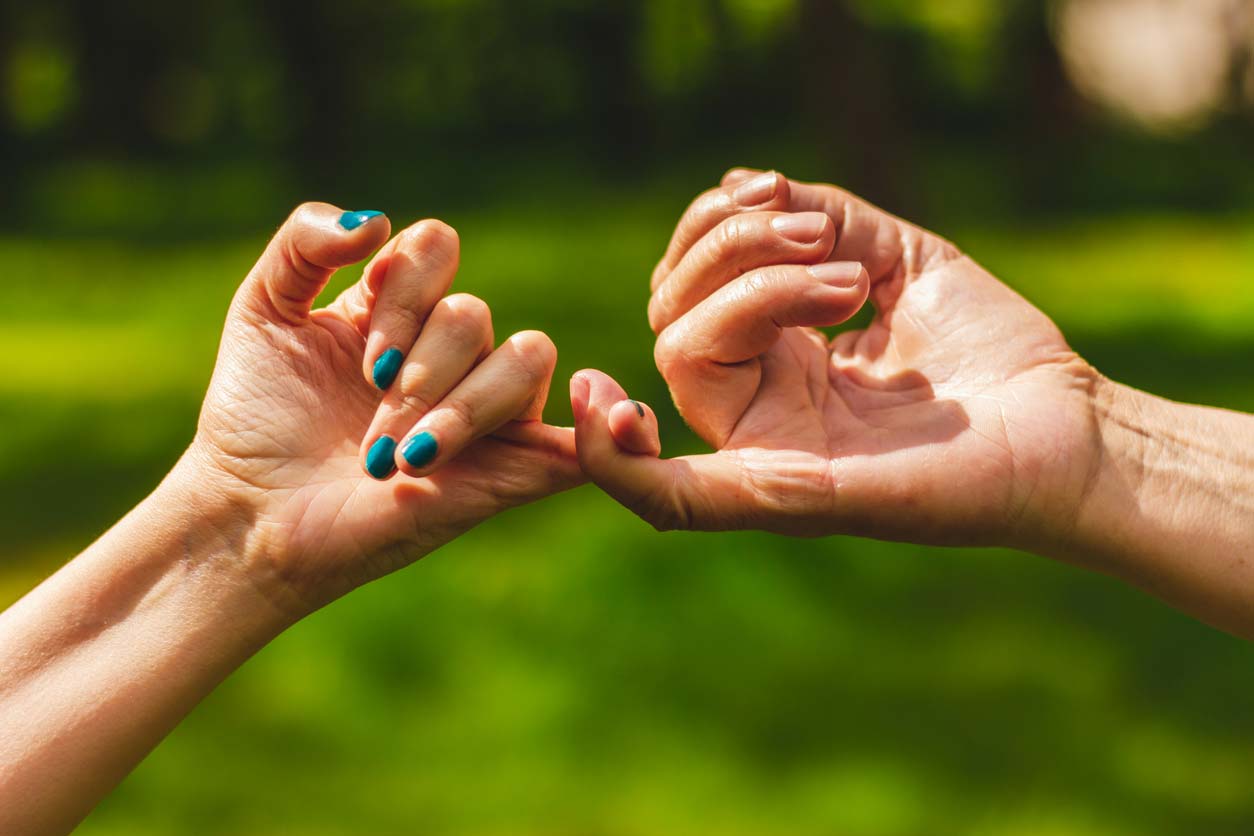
(639, 408)
(420, 450)
(352, 220)
(802, 227)
(837, 273)
(386, 367)
(758, 190)
(381, 457)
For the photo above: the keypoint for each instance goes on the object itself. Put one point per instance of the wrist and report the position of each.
(1086, 509)
(1111, 471)
(216, 533)
(1058, 481)
(1170, 506)
(1163, 479)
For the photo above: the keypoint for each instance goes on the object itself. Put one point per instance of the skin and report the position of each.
(958, 416)
(270, 514)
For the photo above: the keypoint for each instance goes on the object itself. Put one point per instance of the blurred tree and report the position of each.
(881, 93)
(852, 104)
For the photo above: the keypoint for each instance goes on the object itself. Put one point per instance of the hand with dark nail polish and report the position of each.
(354, 421)
(334, 446)
(958, 415)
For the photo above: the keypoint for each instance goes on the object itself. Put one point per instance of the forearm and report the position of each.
(104, 658)
(1170, 505)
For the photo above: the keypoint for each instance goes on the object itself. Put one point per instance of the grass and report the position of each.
(564, 669)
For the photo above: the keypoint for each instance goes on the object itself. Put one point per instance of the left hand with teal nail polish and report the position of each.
(269, 515)
(305, 403)
(445, 386)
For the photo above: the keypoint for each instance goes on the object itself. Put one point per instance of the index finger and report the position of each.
(888, 246)
(769, 191)
(408, 278)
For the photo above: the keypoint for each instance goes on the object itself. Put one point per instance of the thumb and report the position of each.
(314, 241)
(616, 440)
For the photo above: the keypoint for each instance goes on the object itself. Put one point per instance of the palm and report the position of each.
(956, 375)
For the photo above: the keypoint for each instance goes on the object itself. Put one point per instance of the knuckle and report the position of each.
(669, 354)
(759, 282)
(534, 353)
(402, 318)
(294, 261)
(411, 387)
(468, 306)
(732, 236)
(433, 238)
(463, 412)
(706, 208)
(707, 202)
(303, 219)
(668, 510)
(663, 351)
(308, 212)
(658, 309)
(467, 313)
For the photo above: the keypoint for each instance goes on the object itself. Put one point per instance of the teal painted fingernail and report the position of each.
(381, 457)
(352, 220)
(420, 450)
(386, 367)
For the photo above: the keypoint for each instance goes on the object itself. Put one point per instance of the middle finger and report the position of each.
(736, 246)
(455, 338)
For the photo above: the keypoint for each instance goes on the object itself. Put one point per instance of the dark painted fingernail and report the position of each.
(352, 220)
(639, 408)
(381, 457)
(386, 367)
(420, 450)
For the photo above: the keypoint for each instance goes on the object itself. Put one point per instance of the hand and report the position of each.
(310, 413)
(959, 415)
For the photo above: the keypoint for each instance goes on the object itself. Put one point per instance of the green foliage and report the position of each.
(563, 668)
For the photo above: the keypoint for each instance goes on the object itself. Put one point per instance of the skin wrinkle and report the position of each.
(952, 349)
(899, 260)
(268, 502)
(1187, 470)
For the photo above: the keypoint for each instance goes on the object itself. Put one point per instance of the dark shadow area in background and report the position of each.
(220, 117)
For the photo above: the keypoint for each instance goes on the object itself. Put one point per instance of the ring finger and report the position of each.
(455, 338)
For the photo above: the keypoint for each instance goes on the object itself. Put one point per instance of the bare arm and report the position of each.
(104, 658)
(1171, 505)
(334, 446)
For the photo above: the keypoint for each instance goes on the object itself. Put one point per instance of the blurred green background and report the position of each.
(563, 669)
